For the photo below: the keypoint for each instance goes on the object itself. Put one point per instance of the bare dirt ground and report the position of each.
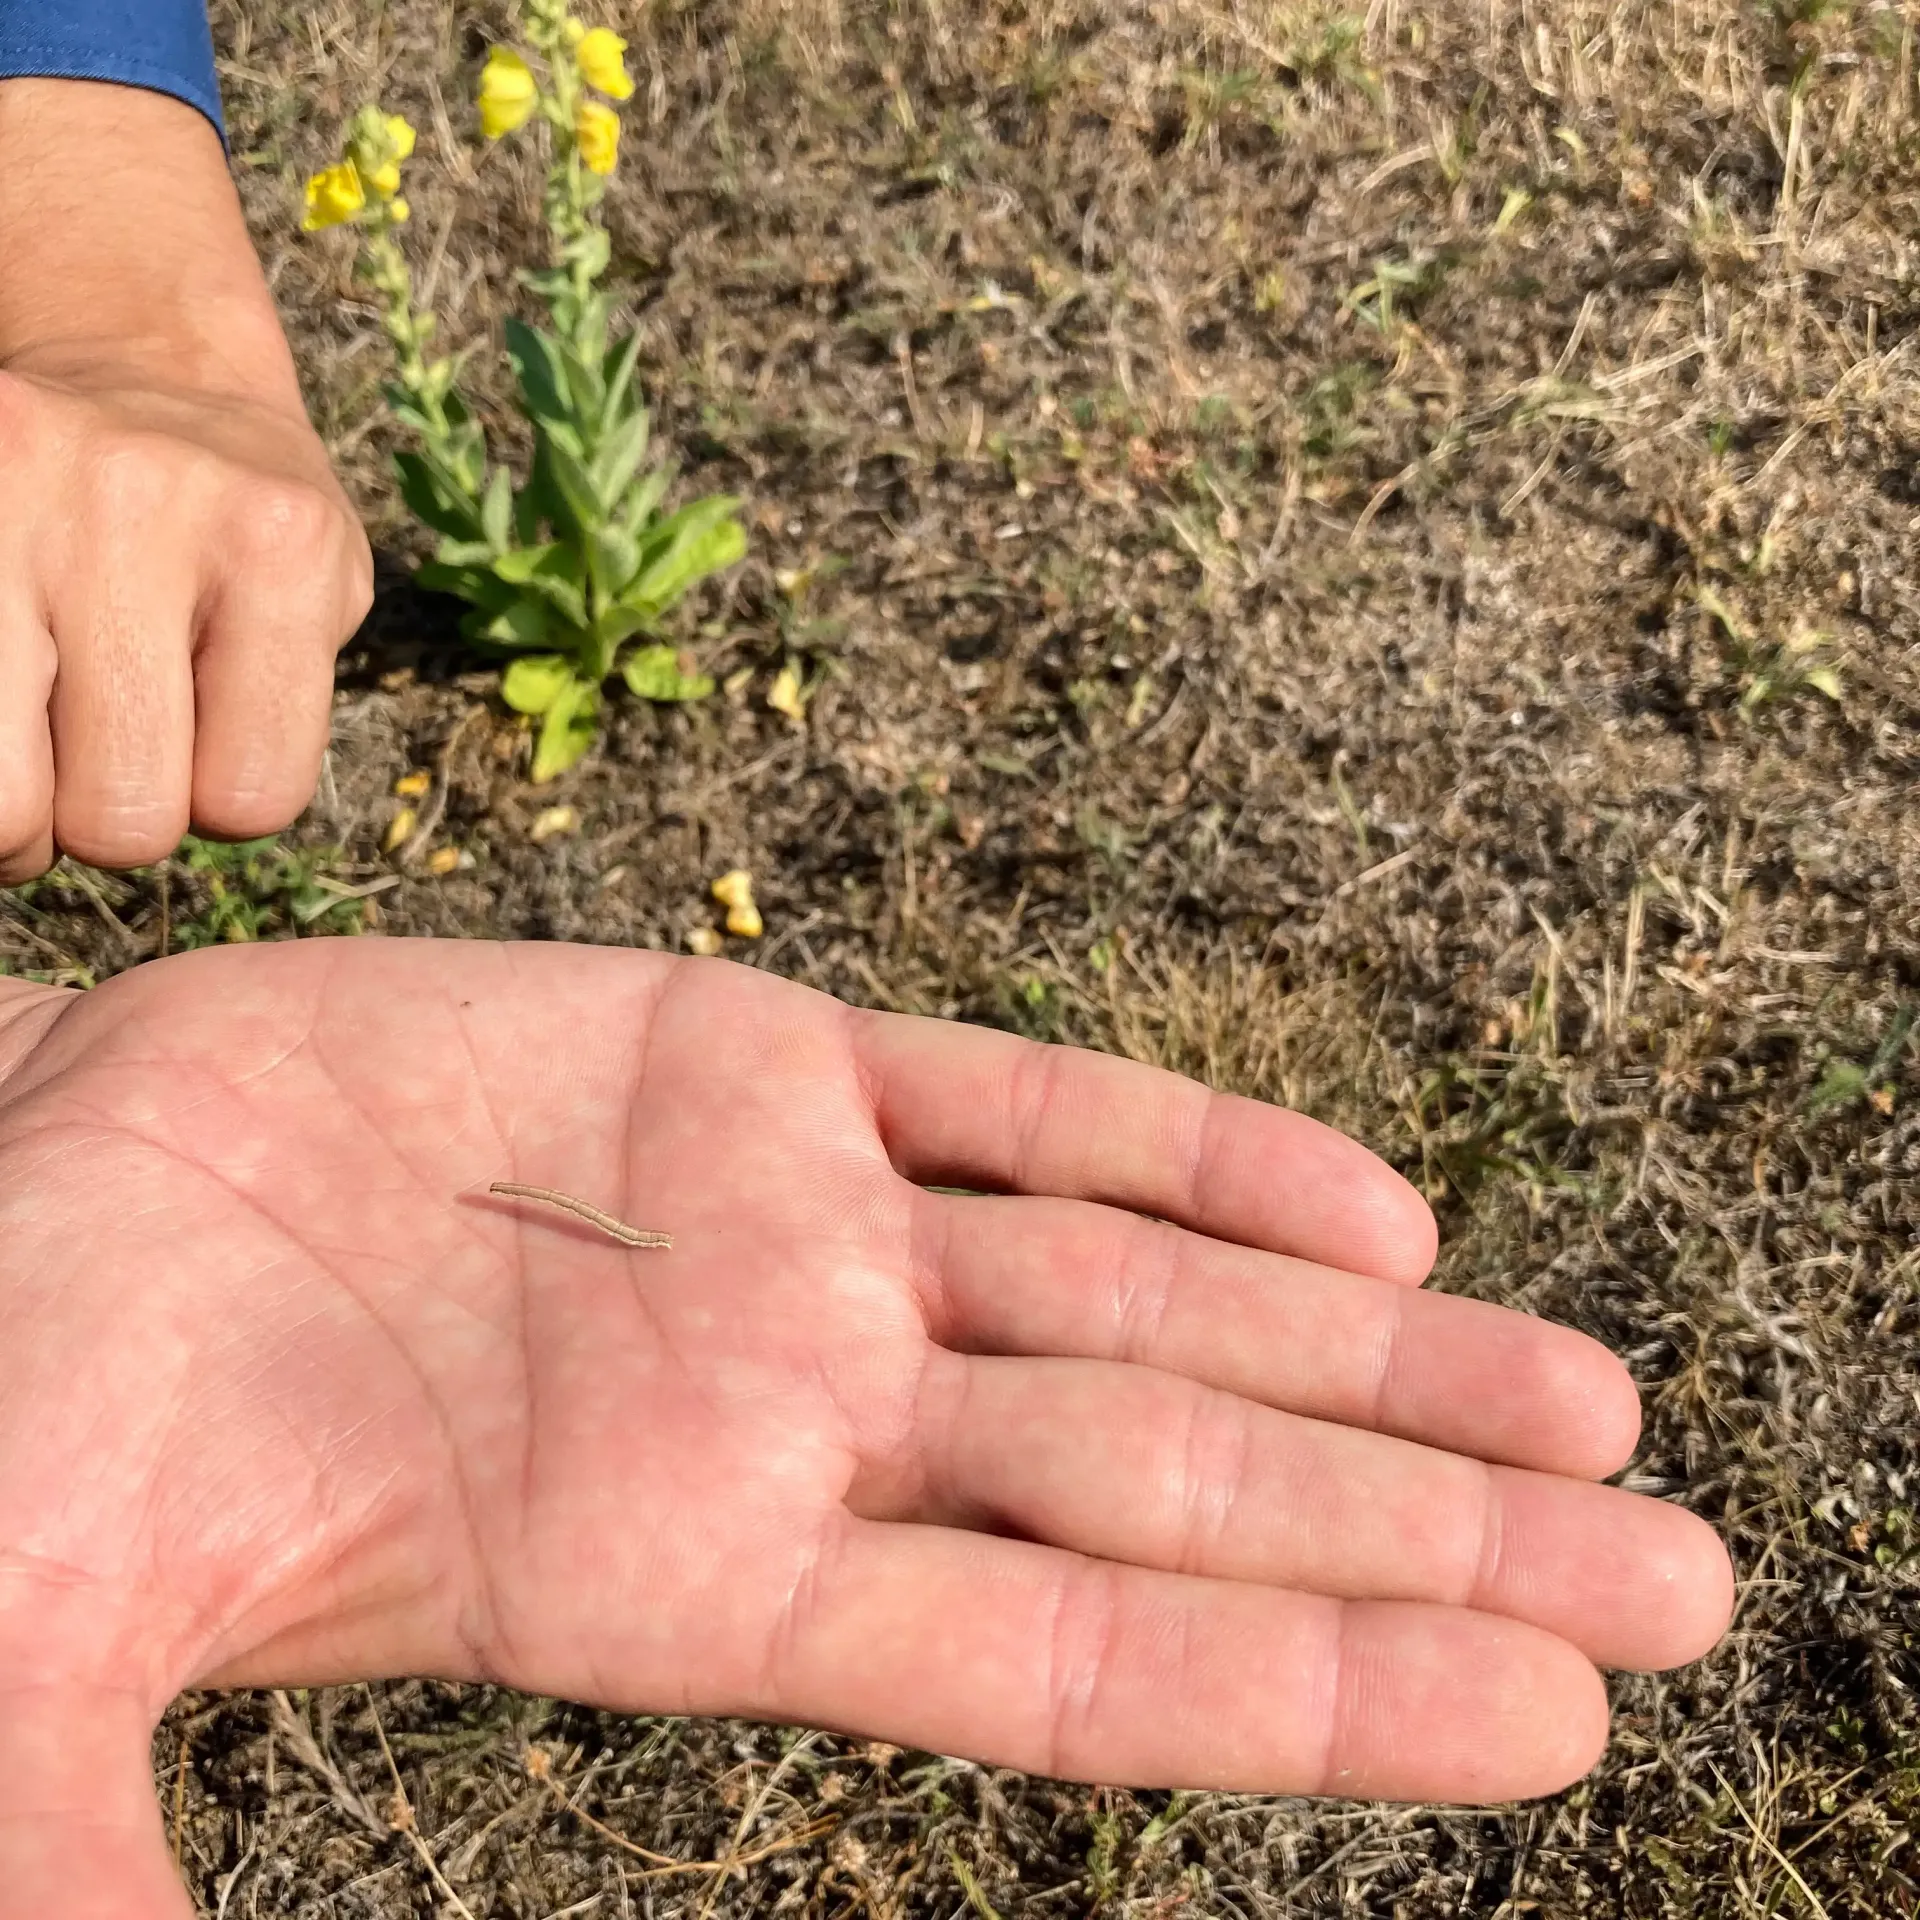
(1365, 555)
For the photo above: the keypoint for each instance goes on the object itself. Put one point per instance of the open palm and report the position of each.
(1154, 1466)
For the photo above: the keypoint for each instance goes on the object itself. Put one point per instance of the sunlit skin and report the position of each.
(1218, 1497)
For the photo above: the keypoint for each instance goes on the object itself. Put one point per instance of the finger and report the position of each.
(1028, 1657)
(27, 662)
(296, 587)
(1061, 1278)
(122, 706)
(80, 1830)
(958, 1106)
(1131, 1465)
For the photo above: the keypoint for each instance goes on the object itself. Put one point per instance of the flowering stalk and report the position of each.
(362, 189)
(579, 62)
(568, 569)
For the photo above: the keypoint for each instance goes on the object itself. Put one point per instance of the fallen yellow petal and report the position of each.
(745, 921)
(553, 822)
(443, 860)
(410, 786)
(734, 889)
(400, 828)
(785, 696)
(704, 941)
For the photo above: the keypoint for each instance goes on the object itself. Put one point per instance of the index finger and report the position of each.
(964, 1106)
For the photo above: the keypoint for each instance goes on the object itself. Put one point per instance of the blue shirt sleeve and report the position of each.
(164, 45)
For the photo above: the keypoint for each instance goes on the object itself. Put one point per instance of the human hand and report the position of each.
(180, 565)
(286, 1397)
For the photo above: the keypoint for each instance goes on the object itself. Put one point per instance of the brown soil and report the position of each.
(1291, 607)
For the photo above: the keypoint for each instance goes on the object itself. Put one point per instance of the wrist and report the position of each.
(125, 248)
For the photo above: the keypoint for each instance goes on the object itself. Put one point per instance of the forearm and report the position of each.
(121, 239)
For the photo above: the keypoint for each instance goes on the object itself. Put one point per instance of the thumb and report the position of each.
(80, 1828)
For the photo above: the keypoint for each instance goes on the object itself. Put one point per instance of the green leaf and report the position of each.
(655, 673)
(527, 509)
(520, 566)
(496, 510)
(573, 484)
(618, 372)
(585, 384)
(400, 405)
(567, 731)
(523, 622)
(435, 498)
(535, 681)
(552, 572)
(619, 457)
(613, 558)
(473, 584)
(641, 502)
(705, 538)
(537, 365)
(593, 251)
(620, 622)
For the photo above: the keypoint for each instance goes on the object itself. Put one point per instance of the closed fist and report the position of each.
(177, 572)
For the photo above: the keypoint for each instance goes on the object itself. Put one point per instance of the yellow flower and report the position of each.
(334, 196)
(398, 211)
(602, 65)
(380, 142)
(508, 93)
(598, 130)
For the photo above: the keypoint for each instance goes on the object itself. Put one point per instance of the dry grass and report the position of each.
(1328, 534)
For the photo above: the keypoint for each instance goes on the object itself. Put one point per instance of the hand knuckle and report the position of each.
(287, 521)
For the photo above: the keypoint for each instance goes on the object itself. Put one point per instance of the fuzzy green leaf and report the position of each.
(655, 673)
(704, 539)
(535, 681)
(435, 498)
(574, 488)
(496, 510)
(619, 457)
(613, 559)
(473, 584)
(567, 731)
(618, 373)
(585, 384)
(537, 365)
(523, 622)
(553, 573)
